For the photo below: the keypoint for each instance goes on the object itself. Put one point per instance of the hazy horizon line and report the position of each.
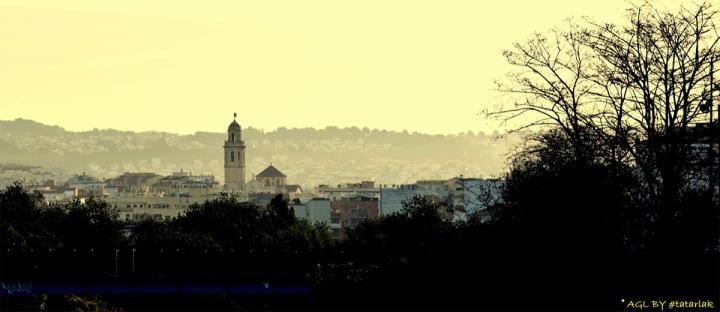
(499, 131)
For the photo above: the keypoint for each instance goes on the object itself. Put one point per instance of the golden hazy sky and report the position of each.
(186, 66)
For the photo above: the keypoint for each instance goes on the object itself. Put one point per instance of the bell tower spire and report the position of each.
(234, 150)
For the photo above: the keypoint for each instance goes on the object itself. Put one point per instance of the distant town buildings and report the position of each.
(294, 191)
(309, 157)
(348, 212)
(313, 210)
(133, 182)
(270, 180)
(85, 183)
(138, 195)
(364, 188)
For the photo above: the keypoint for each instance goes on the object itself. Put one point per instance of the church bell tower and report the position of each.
(234, 158)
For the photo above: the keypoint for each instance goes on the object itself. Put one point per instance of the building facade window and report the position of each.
(232, 136)
(232, 156)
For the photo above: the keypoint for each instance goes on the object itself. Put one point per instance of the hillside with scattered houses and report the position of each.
(307, 156)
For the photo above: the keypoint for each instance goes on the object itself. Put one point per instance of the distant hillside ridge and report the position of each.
(307, 156)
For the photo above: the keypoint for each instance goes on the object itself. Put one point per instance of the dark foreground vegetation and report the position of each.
(564, 239)
(614, 201)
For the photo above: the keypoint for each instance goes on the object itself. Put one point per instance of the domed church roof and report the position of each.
(234, 126)
(271, 172)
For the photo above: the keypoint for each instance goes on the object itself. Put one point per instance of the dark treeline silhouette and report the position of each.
(217, 227)
(540, 250)
(221, 241)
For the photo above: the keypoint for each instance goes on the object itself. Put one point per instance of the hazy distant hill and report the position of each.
(307, 156)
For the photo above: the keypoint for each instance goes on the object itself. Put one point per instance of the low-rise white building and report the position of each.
(85, 183)
(364, 188)
(473, 194)
(134, 206)
(313, 210)
(391, 198)
(467, 195)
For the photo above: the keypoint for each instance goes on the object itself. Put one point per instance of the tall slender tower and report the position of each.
(234, 158)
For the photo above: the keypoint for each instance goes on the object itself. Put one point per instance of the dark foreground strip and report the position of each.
(93, 288)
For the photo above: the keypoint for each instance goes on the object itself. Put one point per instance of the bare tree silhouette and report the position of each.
(632, 95)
